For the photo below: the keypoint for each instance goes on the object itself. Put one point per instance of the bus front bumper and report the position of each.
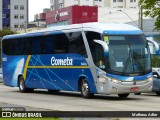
(112, 87)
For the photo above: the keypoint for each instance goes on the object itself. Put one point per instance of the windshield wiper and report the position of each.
(126, 64)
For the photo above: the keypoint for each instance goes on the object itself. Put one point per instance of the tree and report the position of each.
(4, 32)
(152, 9)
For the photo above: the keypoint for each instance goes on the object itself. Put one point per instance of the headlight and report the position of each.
(115, 80)
(103, 80)
(149, 79)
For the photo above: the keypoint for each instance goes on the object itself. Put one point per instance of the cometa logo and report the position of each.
(57, 16)
(61, 62)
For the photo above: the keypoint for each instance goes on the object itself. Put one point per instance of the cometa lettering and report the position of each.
(61, 62)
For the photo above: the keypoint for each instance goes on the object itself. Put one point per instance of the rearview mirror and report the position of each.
(104, 45)
(153, 46)
(155, 76)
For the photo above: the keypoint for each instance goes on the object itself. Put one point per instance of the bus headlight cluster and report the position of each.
(150, 79)
(103, 80)
(115, 81)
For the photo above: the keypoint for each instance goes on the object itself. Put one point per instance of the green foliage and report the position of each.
(6, 31)
(156, 61)
(152, 9)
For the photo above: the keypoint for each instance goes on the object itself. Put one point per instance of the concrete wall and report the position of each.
(133, 4)
(20, 22)
(0, 14)
(102, 3)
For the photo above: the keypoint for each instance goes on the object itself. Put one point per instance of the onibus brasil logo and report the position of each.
(61, 62)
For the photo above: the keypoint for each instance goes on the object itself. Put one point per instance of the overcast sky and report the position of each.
(36, 6)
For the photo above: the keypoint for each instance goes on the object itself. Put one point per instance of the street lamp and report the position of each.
(129, 17)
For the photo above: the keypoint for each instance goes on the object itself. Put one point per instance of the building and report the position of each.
(72, 15)
(58, 4)
(14, 14)
(40, 19)
(0, 14)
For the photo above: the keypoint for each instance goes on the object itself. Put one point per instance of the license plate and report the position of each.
(134, 89)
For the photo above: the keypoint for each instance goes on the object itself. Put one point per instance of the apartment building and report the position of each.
(0, 14)
(14, 14)
(58, 4)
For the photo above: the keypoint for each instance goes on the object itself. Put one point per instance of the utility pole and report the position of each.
(141, 9)
(25, 26)
(140, 23)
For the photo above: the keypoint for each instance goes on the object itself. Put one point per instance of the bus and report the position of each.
(91, 58)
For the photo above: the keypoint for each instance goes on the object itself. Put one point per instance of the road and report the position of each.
(72, 101)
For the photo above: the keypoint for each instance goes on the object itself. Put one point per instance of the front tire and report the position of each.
(123, 95)
(22, 86)
(85, 90)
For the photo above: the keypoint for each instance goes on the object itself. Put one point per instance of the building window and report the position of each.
(21, 16)
(7, 15)
(15, 16)
(52, 8)
(60, 1)
(16, 7)
(21, 26)
(114, 0)
(15, 26)
(61, 5)
(134, 0)
(120, 0)
(120, 6)
(22, 7)
(131, 0)
(4, 16)
(6, 6)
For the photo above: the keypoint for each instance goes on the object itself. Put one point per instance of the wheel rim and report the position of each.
(85, 89)
(21, 84)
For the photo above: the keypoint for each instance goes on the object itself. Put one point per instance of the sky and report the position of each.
(36, 6)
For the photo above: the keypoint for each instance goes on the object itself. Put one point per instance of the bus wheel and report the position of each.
(85, 90)
(22, 87)
(123, 95)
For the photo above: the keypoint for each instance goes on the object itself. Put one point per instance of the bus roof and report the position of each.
(106, 28)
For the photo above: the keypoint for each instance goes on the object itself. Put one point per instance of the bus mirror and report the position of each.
(104, 45)
(153, 46)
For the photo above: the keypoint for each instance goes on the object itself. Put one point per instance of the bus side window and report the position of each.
(61, 44)
(49, 44)
(6, 46)
(76, 44)
(27, 50)
(36, 45)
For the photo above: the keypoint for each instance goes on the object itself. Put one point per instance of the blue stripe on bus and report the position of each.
(122, 32)
(124, 78)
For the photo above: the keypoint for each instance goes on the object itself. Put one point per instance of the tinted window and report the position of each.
(29, 45)
(91, 36)
(51, 44)
(76, 43)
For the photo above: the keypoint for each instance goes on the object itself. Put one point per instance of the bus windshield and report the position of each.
(128, 54)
